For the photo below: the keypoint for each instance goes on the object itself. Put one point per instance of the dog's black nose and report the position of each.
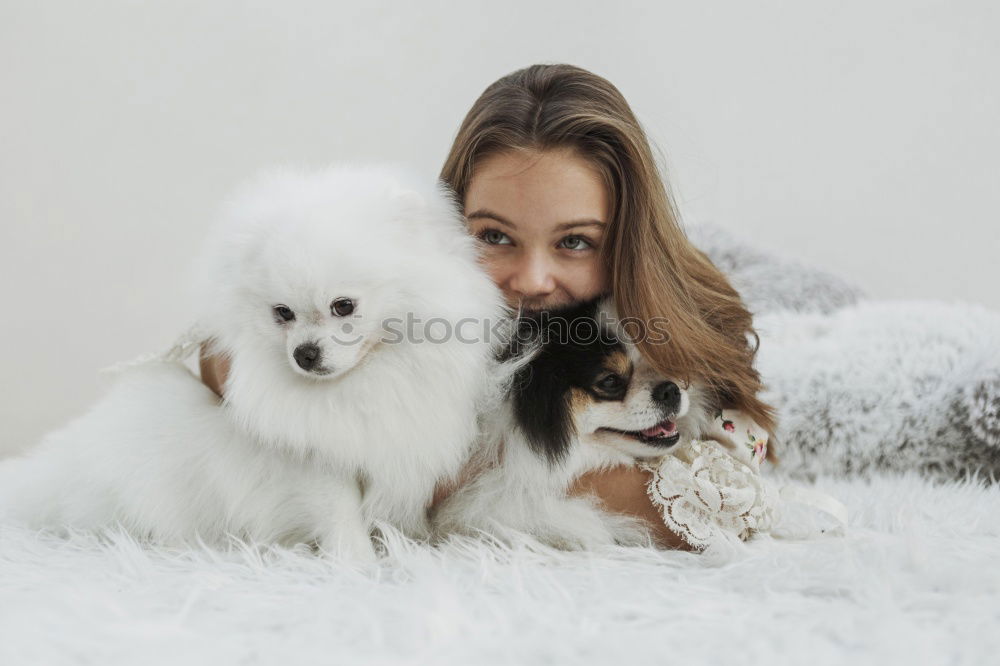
(668, 394)
(307, 355)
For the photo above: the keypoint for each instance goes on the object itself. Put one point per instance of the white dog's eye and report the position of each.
(283, 313)
(342, 307)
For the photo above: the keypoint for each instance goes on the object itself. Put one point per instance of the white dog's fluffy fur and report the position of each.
(294, 453)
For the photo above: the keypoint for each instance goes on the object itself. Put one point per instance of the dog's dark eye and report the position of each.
(283, 313)
(610, 383)
(342, 307)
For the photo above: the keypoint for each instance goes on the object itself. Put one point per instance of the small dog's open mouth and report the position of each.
(663, 433)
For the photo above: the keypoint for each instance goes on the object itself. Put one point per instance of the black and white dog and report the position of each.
(582, 399)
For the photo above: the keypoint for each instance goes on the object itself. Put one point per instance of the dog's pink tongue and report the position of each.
(661, 429)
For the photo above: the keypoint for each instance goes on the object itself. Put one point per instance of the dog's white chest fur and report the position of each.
(400, 424)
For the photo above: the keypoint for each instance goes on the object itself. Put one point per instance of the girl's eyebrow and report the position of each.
(486, 213)
(579, 223)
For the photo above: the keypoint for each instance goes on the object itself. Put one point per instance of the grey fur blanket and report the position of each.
(862, 384)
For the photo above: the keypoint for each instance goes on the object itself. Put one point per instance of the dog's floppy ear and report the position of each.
(538, 390)
(542, 409)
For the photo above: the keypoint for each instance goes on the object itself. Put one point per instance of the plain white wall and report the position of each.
(862, 136)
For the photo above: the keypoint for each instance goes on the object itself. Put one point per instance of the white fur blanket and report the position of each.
(914, 581)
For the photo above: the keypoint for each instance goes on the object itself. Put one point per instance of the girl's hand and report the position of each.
(213, 370)
(623, 490)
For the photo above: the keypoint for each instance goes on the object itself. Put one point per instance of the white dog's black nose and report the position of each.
(668, 394)
(307, 355)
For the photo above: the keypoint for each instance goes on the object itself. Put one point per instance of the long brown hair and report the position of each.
(655, 271)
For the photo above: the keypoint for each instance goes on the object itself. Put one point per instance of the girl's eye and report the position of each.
(494, 237)
(575, 243)
(342, 307)
(283, 313)
(611, 383)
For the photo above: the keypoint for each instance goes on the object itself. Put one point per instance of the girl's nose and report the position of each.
(533, 277)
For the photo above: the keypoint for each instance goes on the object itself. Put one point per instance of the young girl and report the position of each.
(558, 182)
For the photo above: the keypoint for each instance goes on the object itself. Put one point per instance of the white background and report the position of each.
(861, 136)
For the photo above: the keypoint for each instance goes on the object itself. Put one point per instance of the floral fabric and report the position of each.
(742, 437)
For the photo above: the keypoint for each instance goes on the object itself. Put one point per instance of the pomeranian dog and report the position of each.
(582, 399)
(351, 306)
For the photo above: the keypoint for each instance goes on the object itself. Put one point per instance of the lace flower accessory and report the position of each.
(711, 493)
(709, 497)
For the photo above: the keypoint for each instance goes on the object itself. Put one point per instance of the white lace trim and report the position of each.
(710, 498)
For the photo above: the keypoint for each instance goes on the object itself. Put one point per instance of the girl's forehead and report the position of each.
(534, 189)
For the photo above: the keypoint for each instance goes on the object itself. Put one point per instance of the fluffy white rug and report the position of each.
(915, 581)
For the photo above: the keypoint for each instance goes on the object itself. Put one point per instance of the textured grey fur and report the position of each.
(768, 282)
(863, 385)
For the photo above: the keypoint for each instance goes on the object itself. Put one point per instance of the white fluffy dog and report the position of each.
(352, 308)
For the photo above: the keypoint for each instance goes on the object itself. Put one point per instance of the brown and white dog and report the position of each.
(582, 398)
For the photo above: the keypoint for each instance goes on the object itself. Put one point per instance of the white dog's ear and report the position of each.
(606, 309)
(607, 316)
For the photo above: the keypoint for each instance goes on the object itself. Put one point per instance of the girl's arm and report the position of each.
(619, 489)
(623, 490)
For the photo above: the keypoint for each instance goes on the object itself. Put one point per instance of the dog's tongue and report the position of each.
(661, 429)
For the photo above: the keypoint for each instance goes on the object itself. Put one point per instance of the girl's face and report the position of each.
(540, 218)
